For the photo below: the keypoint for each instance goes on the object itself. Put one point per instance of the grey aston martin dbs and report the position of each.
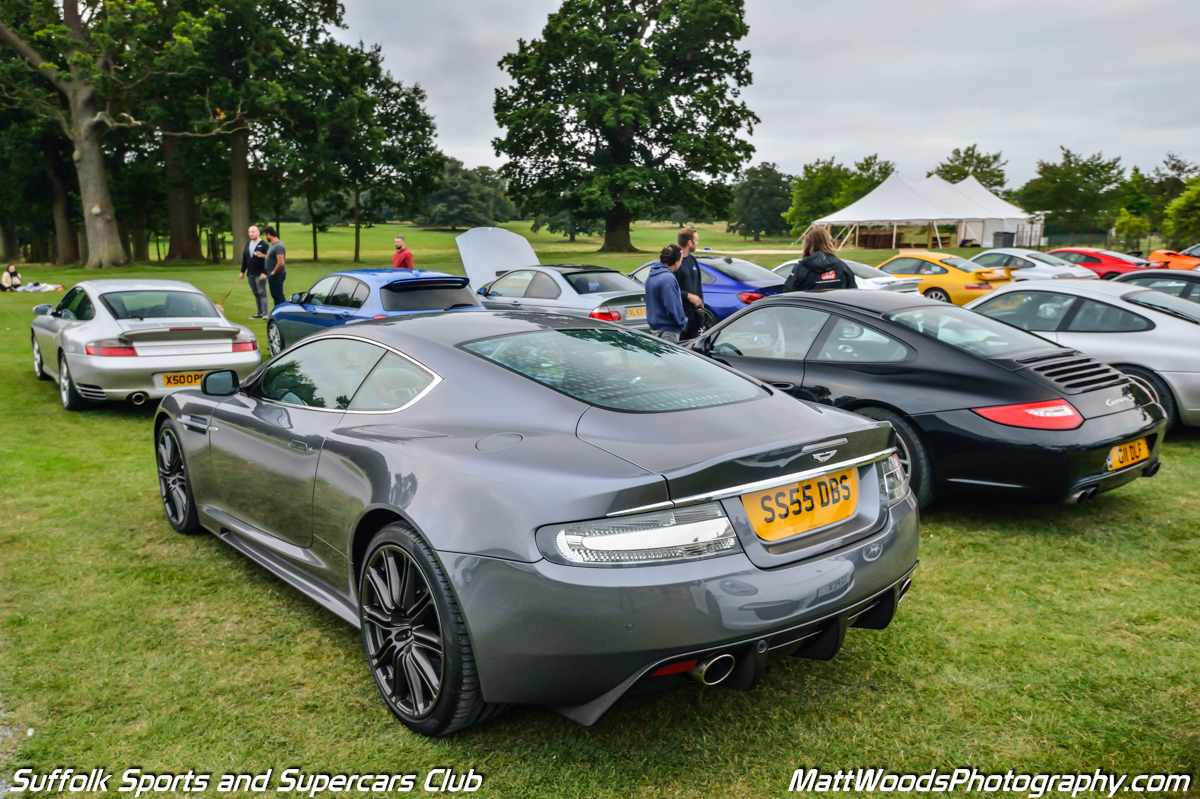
(534, 508)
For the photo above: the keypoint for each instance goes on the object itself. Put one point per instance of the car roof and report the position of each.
(1186, 274)
(452, 329)
(872, 302)
(384, 276)
(924, 256)
(567, 269)
(135, 284)
(1096, 288)
(1009, 251)
(1075, 249)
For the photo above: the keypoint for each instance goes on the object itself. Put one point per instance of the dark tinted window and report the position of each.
(361, 292)
(319, 294)
(427, 298)
(323, 374)
(393, 383)
(616, 369)
(902, 266)
(737, 269)
(971, 332)
(991, 259)
(346, 295)
(513, 284)
(80, 307)
(1037, 311)
(158, 304)
(599, 282)
(542, 287)
(850, 342)
(777, 332)
(1100, 317)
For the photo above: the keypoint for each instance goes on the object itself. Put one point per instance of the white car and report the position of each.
(135, 340)
(1033, 265)
(1145, 333)
(866, 277)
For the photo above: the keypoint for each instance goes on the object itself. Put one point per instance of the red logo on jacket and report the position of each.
(830, 275)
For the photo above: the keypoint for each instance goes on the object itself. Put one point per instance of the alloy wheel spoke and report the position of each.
(179, 499)
(377, 616)
(419, 606)
(379, 584)
(395, 577)
(416, 682)
(387, 650)
(429, 674)
(428, 640)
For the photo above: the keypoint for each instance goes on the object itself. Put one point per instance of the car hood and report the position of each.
(488, 252)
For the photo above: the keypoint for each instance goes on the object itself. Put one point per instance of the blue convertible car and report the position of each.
(355, 295)
(730, 284)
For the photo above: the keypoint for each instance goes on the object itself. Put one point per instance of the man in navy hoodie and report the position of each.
(664, 305)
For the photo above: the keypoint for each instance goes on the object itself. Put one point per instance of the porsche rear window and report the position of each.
(967, 331)
(158, 305)
(617, 370)
(599, 282)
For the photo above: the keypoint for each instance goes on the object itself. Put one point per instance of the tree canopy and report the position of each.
(760, 202)
(988, 168)
(825, 186)
(1078, 193)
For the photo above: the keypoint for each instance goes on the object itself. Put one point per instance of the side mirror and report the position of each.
(224, 383)
(43, 310)
(483, 292)
(296, 298)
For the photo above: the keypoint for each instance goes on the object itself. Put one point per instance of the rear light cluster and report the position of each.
(245, 342)
(659, 537)
(1050, 415)
(892, 480)
(111, 348)
(978, 286)
(605, 315)
(750, 296)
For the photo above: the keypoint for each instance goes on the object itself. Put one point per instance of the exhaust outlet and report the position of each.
(138, 399)
(713, 670)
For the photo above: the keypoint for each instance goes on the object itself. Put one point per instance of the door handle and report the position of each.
(296, 444)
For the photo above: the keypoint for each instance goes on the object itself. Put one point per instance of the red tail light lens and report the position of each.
(978, 286)
(605, 316)
(750, 296)
(379, 316)
(1051, 415)
(245, 346)
(111, 348)
(682, 667)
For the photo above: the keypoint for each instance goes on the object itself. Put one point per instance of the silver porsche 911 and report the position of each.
(542, 509)
(134, 340)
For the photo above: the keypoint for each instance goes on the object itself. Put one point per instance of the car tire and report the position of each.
(415, 637)
(1109, 275)
(39, 366)
(174, 484)
(275, 343)
(937, 294)
(913, 453)
(71, 399)
(1158, 389)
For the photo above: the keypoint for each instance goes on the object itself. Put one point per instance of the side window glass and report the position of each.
(1067, 256)
(1035, 311)
(1017, 263)
(707, 278)
(323, 374)
(343, 295)
(1099, 317)
(542, 287)
(1164, 284)
(394, 383)
(1090, 259)
(779, 332)
(991, 259)
(640, 275)
(319, 294)
(361, 292)
(850, 342)
(511, 285)
(902, 266)
(64, 305)
(84, 310)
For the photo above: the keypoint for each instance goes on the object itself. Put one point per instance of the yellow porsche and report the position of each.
(947, 278)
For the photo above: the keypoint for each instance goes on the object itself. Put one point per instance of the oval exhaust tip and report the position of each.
(714, 670)
(138, 398)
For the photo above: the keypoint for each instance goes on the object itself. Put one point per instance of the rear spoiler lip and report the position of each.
(425, 282)
(222, 330)
(989, 273)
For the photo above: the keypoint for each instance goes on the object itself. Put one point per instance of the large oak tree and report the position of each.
(627, 105)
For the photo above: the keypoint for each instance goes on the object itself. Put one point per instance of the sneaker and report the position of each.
(256, 316)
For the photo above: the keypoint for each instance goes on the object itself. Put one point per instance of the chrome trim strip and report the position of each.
(833, 442)
(642, 509)
(195, 423)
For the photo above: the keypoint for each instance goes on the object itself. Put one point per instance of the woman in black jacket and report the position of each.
(819, 268)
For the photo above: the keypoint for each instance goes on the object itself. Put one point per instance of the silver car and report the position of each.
(1033, 265)
(504, 270)
(1147, 334)
(134, 340)
(866, 277)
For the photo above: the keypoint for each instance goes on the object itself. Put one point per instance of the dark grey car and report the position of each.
(541, 509)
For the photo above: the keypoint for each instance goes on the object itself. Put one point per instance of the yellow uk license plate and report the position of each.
(182, 379)
(638, 312)
(788, 510)
(1124, 455)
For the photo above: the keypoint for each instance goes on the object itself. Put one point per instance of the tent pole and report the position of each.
(938, 235)
(802, 235)
(893, 235)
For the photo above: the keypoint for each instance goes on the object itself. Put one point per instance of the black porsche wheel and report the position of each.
(1158, 389)
(415, 638)
(39, 366)
(173, 483)
(938, 294)
(71, 400)
(914, 455)
(274, 339)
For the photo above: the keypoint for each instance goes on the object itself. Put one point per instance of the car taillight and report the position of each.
(750, 296)
(245, 346)
(111, 348)
(379, 316)
(605, 316)
(979, 286)
(1050, 415)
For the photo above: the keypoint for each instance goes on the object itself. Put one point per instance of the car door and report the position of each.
(850, 360)
(508, 293)
(347, 297)
(770, 344)
(298, 321)
(75, 309)
(266, 441)
(47, 328)
(1040, 312)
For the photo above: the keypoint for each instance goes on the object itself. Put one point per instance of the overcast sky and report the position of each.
(846, 78)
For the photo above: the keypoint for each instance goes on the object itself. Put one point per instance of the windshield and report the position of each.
(599, 282)
(618, 370)
(1047, 259)
(1192, 251)
(158, 305)
(1120, 256)
(968, 331)
(737, 269)
(960, 264)
(413, 299)
(864, 271)
(1167, 303)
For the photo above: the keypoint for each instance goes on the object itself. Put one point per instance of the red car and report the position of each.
(1105, 263)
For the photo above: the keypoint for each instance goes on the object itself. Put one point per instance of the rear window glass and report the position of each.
(427, 298)
(617, 370)
(1120, 256)
(959, 263)
(158, 304)
(970, 332)
(737, 269)
(599, 282)
(1167, 303)
(1053, 260)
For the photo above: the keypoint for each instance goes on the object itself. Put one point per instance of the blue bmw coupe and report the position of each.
(730, 284)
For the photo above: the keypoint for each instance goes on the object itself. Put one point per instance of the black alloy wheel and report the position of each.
(1158, 390)
(173, 482)
(914, 455)
(938, 294)
(71, 399)
(39, 366)
(415, 639)
(274, 339)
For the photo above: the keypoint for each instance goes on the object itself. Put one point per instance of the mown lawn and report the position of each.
(1035, 639)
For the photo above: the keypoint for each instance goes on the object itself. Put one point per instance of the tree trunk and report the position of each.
(66, 240)
(616, 230)
(239, 189)
(183, 223)
(313, 221)
(99, 217)
(357, 225)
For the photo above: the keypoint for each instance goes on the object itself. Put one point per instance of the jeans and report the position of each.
(276, 282)
(259, 288)
(670, 336)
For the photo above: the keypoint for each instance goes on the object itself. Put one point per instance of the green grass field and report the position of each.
(1047, 639)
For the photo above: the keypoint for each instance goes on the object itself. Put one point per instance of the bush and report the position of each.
(1182, 224)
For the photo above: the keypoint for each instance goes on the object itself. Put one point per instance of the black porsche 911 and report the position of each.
(980, 407)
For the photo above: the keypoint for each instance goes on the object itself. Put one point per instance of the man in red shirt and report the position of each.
(403, 257)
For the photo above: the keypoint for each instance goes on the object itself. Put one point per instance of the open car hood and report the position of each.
(488, 252)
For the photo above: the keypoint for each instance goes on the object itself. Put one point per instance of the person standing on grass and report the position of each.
(819, 269)
(253, 266)
(403, 257)
(276, 266)
(664, 305)
(690, 286)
